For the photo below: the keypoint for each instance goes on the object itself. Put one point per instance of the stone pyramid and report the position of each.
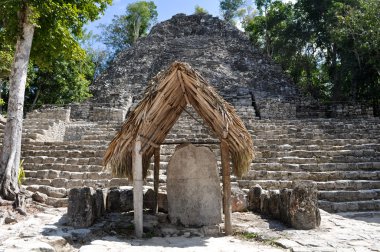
(219, 51)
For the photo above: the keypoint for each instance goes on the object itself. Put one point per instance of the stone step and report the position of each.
(50, 191)
(315, 167)
(322, 185)
(53, 174)
(359, 215)
(74, 153)
(64, 167)
(302, 142)
(73, 183)
(97, 137)
(51, 160)
(62, 145)
(316, 176)
(318, 153)
(363, 205)
(288, 147)
(31, 148)
(320, 159)
(342, 195)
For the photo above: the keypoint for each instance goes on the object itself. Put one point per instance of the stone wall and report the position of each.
(95, 112)
(47, 124)
(297, 207)
(75, 131)
(308, 109)
(276, 108)
(51, 113)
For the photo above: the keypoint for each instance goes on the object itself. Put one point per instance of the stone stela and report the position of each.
(194, 196)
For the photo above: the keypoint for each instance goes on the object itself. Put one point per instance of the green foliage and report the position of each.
(200, 10)
(230, 9)
(21, 173)
(249, 236)
(59, 68)
(98, 56)
(257, 237)
(126, 29)
(66, 81)
(6, 53)
(357, 36)
(329, 48)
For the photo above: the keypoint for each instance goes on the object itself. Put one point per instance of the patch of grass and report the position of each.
(256, 237)
(21, 172)
(248, 236)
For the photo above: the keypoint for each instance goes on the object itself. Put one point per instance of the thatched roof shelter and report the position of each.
(165, 99)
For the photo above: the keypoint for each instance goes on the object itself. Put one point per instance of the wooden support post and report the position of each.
(137, 188)
(156, 177)
(226, 186)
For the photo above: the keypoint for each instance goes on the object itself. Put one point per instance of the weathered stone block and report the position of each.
(39, 197)
(238, 200)
(149, 199)
(162, 202)
(85, 205)
(303, 208)
(120, 199)
(284, 205)
(254, 198)
(264, 202)
(274, 204)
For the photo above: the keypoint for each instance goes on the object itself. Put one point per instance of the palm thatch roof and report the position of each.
(165, 99)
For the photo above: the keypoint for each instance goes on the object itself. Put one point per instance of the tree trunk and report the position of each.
(10, 156)
(1, 91)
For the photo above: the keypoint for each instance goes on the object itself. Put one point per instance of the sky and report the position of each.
(165, 8)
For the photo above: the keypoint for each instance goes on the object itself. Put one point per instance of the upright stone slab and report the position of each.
(85, 205)
(303, 205)
(194, 193)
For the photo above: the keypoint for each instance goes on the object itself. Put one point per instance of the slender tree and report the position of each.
(50, 24)
(229, 9)
(124, 30)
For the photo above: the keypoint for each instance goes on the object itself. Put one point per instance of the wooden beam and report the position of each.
(156, 177)
(226, 186)
(196, 119)
(192, 142)
(137, 188)
(179, 75)
(148, 142)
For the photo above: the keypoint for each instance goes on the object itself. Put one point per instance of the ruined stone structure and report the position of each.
(63, 147)
(220, 52)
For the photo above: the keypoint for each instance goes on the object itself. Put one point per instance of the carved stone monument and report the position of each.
(194, 193)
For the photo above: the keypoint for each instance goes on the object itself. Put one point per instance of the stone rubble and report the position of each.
(48, 230)
(297, 207)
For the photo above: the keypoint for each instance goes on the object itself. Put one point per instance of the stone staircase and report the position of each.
(60, 154)
(70, 163)
(341, 155)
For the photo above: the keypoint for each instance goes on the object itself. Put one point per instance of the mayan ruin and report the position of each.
(194, 132)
